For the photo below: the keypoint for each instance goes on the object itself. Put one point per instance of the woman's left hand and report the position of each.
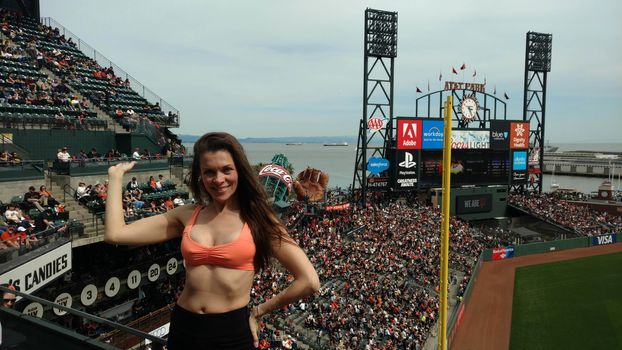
(253, 322)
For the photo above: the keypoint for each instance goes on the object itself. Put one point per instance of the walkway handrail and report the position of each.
(154, 339)
(90, 52)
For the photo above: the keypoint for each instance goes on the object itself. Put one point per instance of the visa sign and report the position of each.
(432, 134)
(376, 165)
(604, 239)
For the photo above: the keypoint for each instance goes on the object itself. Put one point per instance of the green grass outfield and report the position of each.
(571, 304)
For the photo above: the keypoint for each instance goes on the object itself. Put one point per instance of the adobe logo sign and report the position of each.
(519, 135)
(408, 134)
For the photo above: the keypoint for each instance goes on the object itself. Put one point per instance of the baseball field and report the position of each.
(569, 299)
(572, 304)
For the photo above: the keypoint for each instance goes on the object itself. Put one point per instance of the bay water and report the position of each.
(338, 162)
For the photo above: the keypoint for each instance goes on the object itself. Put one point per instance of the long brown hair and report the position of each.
(253, 200)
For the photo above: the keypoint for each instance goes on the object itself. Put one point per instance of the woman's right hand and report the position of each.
(120, 169)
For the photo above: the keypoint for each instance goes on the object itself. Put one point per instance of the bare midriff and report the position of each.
(213, 289)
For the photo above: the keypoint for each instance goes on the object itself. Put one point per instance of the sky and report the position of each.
(295, 68)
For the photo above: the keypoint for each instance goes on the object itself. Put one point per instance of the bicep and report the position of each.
(154, 229)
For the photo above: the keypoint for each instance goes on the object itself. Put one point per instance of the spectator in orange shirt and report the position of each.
(9, 237)
(152, 183)
(169, 203)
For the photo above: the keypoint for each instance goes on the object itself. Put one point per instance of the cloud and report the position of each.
(267, 68)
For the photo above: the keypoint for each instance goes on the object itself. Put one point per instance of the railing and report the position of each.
(43, 238)
(100, 166)
(24, 170)
(125, 340)
(157, 342)
(90, 52)
(155, 135)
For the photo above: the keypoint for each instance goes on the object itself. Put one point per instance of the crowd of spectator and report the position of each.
(22, 222)
(559, 209)
(139, 199)
(379, 282)
(9, 158)
(40, 46)
(28, 87)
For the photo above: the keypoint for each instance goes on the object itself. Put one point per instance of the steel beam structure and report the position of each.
(538, 47)
(378, 81)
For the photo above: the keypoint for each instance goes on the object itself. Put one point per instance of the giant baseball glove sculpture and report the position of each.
(311, 185)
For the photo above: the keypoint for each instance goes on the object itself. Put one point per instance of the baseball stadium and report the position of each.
(446, 237)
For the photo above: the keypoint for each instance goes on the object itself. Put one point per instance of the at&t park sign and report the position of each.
(452, 85)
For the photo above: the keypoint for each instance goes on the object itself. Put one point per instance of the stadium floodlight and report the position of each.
(539, 48)
(381, 33)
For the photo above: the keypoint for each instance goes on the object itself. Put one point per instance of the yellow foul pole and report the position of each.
(442, 332)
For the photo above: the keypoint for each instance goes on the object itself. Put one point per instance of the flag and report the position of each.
(453, 70)
(505, 94)
(475, 73)
(495, 92)
(484, 80)
(418, 89)
(440, 76)
(463, 66)
(428, 85)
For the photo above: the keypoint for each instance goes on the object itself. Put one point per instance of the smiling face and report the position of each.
(219, 176)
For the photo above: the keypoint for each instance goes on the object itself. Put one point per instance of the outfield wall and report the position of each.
(456, 314)
(503, 253)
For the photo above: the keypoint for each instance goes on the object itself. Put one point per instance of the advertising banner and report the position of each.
(500, 134)
(605, 239)
(408, 134)
(480, 203)
(36, 273)
(378, 183)
(406, 170)
(433, 131)
(279, 172)
(519, 160)
(470, 139)
(502, 253)
(519, 177)
(375, 124)
(376, 165)
(519, 135)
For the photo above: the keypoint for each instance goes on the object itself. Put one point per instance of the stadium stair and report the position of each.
(81, 214)
(100, 113)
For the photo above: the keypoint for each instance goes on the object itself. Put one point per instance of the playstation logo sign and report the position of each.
(408, 161)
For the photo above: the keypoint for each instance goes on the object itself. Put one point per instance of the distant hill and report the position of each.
(291, 139)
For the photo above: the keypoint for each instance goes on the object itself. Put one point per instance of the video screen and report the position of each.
(468, 167)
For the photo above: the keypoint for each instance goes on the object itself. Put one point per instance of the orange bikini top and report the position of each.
(238, 254)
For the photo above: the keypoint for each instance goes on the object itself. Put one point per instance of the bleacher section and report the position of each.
(62, 57)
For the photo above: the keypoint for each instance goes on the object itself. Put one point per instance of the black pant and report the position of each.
(229, 330)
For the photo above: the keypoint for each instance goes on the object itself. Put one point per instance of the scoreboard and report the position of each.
(467, 168)
(493, 156)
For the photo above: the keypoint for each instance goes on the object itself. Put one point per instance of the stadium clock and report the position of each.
(469, 107)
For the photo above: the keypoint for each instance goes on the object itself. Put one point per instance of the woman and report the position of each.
(46, 197)
(229, 236)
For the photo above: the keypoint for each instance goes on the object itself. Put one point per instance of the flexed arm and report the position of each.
(150, 230)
